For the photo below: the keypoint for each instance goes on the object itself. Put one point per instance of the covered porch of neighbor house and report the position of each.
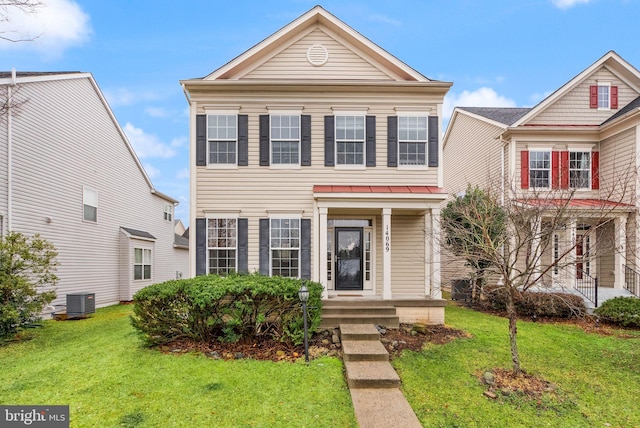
(378, 247)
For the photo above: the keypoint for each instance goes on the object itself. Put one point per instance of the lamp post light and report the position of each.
(303, 295)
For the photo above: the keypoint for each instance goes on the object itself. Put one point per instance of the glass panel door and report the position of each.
(348, 250)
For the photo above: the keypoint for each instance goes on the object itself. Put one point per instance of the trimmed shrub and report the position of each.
(225, 308)
(27, 264)
(620, 310)
(537, 304)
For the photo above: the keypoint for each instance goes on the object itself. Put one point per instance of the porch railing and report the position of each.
(631, 281)
(587, 285)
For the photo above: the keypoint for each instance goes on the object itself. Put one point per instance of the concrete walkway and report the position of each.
(373, 383)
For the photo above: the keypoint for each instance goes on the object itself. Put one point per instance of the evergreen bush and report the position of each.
(620, 310)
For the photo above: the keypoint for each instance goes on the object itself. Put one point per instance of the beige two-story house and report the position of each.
(317, 154)
(581, 143)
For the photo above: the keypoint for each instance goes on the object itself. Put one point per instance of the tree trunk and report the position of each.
(513, 330)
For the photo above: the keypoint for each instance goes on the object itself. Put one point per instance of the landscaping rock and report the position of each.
(381, 329)
(280, 354)
(489, 379)
(238, 355)
(215, 355)
(420, 328)
(490, 394)
(325, 341)
(335, 338)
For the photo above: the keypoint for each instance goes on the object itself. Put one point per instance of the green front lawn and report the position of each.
(99, 368)
(598, 377)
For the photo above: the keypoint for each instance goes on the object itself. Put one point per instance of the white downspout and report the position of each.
(9, 151)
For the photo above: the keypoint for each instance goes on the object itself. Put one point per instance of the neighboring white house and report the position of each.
(68, 173)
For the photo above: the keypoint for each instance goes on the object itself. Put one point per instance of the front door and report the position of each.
(348, 258)
(583, 263)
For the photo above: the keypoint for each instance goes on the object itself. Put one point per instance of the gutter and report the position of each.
(10, 151)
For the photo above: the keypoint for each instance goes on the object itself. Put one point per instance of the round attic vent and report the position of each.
(317, 55)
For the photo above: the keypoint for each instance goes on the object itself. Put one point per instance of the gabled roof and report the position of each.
(137, 233)
(316, 17)
(611, 60)
(633, 105)
(504, 115)
(6, 78)
(180, 241)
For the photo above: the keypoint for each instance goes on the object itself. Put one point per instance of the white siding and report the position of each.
(65, 139)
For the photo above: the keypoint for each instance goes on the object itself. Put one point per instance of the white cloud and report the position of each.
(537, 97)
(147, 145)
(179, 142)
(156, 112)
(152, 171)
(566, 4)
(183, 174)
(55, 26)
(482, 97)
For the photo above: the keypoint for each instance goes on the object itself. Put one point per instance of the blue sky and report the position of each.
(496, 52)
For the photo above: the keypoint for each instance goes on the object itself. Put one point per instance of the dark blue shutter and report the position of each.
(433, 141)
(264, 140)
(243, 245)
(329, 143)
(201, 246)
(243, 140)
(263, 244)
(305, 140)
(305, 248)
(201, 140)
(392, 141)
(371, 140)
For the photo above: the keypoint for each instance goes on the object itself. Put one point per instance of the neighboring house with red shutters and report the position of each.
(582, 141)
(316, 154)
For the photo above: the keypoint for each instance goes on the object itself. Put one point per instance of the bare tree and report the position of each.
(24, 6)
(528, 252)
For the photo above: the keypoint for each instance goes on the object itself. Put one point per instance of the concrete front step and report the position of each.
(360, 310)
(359, 332)
(364, 350)
(371, 374)
(334, 321)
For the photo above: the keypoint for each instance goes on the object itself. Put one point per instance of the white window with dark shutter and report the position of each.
(350, 139)
(222, 245)
(285, 139)
(603, 95)
(284, 237)
(222, 139)
(412, 141)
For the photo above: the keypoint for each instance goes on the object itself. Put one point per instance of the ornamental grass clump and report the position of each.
(224, 308)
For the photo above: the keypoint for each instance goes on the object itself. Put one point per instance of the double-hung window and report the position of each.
(89, 204)
(539, 169)
(222, 245)
(168, 212)
(285, 139)
(141, 264)
(412, 140)
(579, 170)
(285, 246)
(604, 96)
(350, 139)
(222, 138)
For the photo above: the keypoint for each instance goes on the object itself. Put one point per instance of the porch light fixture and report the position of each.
(303, 295)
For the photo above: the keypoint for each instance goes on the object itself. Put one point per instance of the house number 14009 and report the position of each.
(387, 240)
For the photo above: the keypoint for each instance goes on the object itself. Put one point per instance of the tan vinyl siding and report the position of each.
(342, 63)
(605, 258)
(64, 139)
(573, 108)
(618, 167)
(472, 154)
(407, 255)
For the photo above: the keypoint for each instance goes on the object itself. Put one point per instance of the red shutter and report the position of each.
(593, 96)
(524, 169)
(564, 170)
(555, 169)
(595, 170)
(614, 97)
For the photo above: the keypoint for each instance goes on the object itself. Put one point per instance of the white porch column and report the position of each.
(386, 253)
(619, 256)
(536, 242)
(428, 237)
(323, 251)
(436, 289)
(571, 257)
